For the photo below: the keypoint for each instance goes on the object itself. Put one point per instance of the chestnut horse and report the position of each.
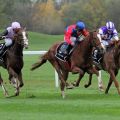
(13, 61)
(111, 64)
(79, 59)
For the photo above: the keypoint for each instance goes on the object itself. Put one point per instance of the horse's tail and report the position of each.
(43, 60)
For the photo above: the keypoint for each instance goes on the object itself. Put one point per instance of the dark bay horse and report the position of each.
(13, 60)
(79, 60)
(111, 64)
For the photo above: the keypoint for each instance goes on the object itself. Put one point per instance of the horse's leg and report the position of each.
(113, 77)
(93, 70)
(76, 70)
(3, 87)
(100, 83)
(65, 76)
(89, 82)
(108, 86)
(13, 77)
(20, 79)
(60, 75)
(110, 83)
(76, 83)
(15, 83)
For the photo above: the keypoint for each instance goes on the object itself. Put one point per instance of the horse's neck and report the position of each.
(84, 47)
(17, 49)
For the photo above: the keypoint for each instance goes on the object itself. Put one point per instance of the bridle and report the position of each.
(21, 38)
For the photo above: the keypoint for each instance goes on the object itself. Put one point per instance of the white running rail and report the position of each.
(41, 53)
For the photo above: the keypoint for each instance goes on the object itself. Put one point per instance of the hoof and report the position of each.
(63, 94)
(86, 86)
(69, 87)
(75, 84)
(106, 93)
(21, 85)
(6, 94)
(101, 88)
(16, 94)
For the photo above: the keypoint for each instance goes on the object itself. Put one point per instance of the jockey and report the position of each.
(76, 32)
(107, 35)
(72, 35)
(8, 36)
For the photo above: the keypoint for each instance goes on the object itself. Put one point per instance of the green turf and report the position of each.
(42, 41)
(40, 100)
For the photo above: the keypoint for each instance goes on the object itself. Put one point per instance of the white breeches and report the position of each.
(8, 42)
(105, 43)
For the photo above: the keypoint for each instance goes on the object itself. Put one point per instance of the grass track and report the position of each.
(40, 100)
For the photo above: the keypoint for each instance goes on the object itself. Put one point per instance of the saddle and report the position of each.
(64, 51)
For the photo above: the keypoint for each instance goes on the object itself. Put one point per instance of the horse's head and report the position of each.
(95, 41)
(21, 37)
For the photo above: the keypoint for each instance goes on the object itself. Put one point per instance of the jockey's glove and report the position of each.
(81, 38)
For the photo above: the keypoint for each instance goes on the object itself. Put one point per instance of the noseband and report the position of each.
(19, 38)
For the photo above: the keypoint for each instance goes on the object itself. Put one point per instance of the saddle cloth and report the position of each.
(62, 54)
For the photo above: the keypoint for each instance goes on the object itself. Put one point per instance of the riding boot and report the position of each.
(69, 48)
(95, 56)
(2, 52)
(63, 48)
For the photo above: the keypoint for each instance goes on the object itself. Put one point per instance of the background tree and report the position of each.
(51, 16)
(47, 18)
(18, 11)
(3, 17)
(92, 12)
(113, 10)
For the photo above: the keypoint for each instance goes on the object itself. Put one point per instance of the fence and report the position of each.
(41, 53)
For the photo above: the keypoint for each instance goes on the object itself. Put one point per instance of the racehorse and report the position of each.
(111, 64)
(13, 61)
(79, 60)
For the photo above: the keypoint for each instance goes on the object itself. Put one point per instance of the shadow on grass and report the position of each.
(73, 96)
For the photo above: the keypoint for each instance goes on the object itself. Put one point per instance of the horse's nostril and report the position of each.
(26, 46)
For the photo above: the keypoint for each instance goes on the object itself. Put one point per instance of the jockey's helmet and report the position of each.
(110, 26)
(80, 25)
(15, 25)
